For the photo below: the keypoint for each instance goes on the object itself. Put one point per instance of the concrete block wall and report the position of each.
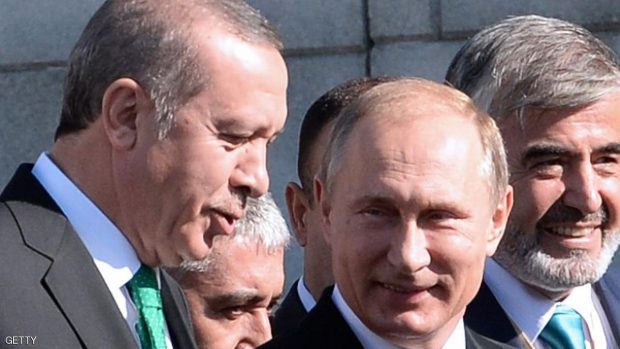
(327, 42)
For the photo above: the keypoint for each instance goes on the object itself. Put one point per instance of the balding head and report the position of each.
(409, 98)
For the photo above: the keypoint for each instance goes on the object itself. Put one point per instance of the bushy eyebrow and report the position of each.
(537, 151)
(372, 199)
(236, 297)
(611, 148)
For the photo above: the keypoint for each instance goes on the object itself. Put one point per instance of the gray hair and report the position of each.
(149, 41)
(388, 94)
(262, 224)
(533, 62)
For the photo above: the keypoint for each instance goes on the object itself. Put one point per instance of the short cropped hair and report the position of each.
(149, 41)
(533, 62)
(262, 224)
(387, 95)
(323, 111)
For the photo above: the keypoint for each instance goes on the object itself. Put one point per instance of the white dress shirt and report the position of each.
(371, 340)
(531, 311)
(306, 298)
(112, 253)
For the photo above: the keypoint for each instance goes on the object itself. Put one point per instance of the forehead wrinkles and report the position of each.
(384, 151)
(575, 132)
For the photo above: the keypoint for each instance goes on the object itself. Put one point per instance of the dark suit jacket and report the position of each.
(49, 285)
(486, 316)
(325, 328)
(289, 313)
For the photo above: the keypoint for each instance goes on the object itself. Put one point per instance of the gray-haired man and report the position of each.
(232, 292)
(554, 90)
(167, 111)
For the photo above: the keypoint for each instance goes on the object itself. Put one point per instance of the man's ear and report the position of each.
(500, 219)
(124, 102)
(321, 198)
(298, 205)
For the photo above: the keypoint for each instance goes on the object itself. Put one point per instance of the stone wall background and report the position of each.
(327, 42)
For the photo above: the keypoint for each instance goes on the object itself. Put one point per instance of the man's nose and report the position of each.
(251, 173)
(581, 189)
(408, 251)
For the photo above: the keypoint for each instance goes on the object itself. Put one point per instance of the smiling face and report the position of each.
(565, 170)
(179, 192)
(410, 220)
(230, 304)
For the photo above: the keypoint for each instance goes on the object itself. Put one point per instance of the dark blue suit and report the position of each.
(325, 328)
(485, 316)
(289, 313)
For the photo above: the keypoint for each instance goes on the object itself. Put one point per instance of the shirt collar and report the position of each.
(304, 295)
(580, 299)
(514, 296)
(369, 339)
(112, 253)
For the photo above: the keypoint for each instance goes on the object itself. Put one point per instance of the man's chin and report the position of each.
(557, 275)
(525, 258)
(194, 265)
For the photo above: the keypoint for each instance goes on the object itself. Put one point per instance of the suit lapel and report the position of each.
(324, 327)
(72, 279)
(608, 292)
(474, 340)
(85, 299)
(176, 312)
(485, 316)
(290, 313)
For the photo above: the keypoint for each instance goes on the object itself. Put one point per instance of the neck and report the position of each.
(84, 157)
(434, 340)
(555, 296)
(316, 279)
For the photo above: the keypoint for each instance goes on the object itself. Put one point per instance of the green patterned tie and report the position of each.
(145, 295)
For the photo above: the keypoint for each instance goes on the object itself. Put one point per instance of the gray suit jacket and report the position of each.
(49, 285)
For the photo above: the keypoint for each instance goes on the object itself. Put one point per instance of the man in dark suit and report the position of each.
(414, 194)
(305, 216)
(233, 291)
(168, 108)
(554, 90)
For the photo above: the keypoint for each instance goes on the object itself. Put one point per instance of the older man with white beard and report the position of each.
(554, 91)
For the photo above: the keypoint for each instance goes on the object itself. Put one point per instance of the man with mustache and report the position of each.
(232, 292)
(168, 108)
(554, 90)
(414, 194)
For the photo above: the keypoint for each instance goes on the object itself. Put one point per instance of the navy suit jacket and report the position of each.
(485, 316)
(49, 285)
(289, 314)
(325, 328)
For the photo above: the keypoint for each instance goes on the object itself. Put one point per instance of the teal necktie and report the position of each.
(145, 295)
(564, 330)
